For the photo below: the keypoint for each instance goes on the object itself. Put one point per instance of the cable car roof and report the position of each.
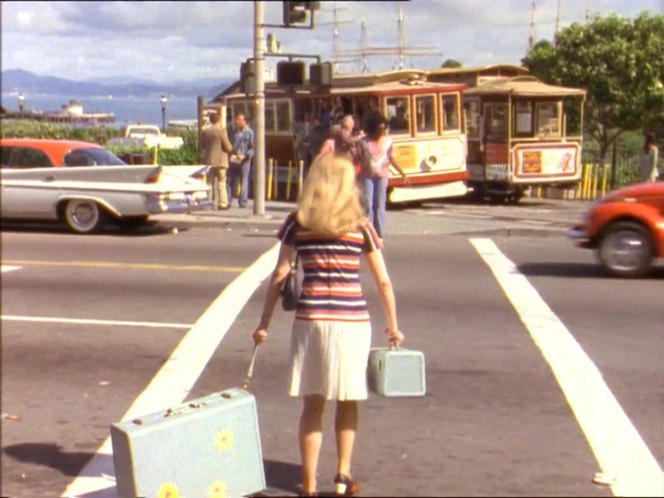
(522, 86)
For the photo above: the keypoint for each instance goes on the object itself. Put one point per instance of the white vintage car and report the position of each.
(86, 186)
(148, 136)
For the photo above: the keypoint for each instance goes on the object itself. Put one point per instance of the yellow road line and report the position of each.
(135, 266)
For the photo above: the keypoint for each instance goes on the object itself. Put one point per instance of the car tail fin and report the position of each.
(199, 174)
(154, 175)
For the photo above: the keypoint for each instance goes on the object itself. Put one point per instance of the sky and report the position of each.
(166, 42)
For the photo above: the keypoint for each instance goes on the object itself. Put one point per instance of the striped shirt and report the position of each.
(331, 289)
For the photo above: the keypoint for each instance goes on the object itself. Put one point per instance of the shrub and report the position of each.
(24, 128)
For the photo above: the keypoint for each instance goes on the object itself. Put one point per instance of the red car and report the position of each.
(19, 153)
(626, 228)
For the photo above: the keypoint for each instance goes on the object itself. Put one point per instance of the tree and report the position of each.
(620, 62)
(451, 63)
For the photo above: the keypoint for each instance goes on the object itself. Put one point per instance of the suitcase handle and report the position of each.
(183, 409)
(394, 345)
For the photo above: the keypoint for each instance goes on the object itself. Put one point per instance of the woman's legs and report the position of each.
(345, 427)
(311, 437)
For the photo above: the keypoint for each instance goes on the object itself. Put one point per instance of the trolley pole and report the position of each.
(259, 57)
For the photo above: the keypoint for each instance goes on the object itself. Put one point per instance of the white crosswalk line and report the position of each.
(175, 379)
(83, 321)
(618, 447)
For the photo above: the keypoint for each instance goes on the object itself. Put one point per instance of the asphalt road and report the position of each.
(495, 420)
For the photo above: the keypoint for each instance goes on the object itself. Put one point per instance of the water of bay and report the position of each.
(126, 109)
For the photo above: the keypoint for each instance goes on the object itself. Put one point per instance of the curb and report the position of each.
(190, 221)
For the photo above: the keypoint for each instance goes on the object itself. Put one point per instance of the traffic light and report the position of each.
(295, 12)
(248, 76)
(320, 74)
(290, 73)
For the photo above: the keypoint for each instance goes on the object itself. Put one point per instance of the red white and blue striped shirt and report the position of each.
(331, 289)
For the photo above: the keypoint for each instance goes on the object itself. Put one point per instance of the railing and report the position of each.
(620, 168)
(287, 174)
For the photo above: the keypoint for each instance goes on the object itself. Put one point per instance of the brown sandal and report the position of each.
(345, 486)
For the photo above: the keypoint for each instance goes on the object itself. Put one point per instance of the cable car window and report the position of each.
(284, 117)
(425, 112)
(450, 108)
(270, 121)
(398, 115)
(548, 119)
(495, 121)
(472, 112)
(524, 118)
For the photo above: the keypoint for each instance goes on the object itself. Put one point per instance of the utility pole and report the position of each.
(555, 33)
(402, 38)
(259, 155)
(364, 45)
(335, 37)
(531, 40)
(336, 48)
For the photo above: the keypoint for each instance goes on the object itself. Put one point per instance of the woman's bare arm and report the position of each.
(384, 285)
(276, 280)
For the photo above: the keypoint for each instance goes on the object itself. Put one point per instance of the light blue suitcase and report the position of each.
(396, 372)
(209, 447)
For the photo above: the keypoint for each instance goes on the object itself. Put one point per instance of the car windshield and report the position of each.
(92, 156)
(144, 131)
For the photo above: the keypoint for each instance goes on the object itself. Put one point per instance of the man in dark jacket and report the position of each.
(317, 136)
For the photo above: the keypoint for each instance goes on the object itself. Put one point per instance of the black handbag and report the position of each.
(290, 289)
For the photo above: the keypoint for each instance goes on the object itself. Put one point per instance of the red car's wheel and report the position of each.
(626, 249)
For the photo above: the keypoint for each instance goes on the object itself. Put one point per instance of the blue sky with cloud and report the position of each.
(169, 41)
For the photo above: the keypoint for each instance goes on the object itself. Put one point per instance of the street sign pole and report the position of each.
(259, 158)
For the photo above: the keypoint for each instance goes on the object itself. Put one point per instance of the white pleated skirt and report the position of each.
(330, 359)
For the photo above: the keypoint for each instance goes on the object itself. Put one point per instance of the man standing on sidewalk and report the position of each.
(241, 158)
(215, 147)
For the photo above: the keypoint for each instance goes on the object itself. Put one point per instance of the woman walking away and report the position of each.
(376, 157)
(331, 334)
(648, 160)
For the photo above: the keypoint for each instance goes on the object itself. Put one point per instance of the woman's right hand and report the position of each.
(259, 335)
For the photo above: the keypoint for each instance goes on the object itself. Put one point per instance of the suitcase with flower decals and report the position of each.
(208, 447)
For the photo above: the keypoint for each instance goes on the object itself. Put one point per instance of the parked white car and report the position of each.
(87, 197)
(148, 136)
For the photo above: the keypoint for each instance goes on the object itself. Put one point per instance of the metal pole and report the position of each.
(199, 127)
(259, 157)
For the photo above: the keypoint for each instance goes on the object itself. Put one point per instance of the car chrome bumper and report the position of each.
(580, 236)
(577, 233)
(183, 205)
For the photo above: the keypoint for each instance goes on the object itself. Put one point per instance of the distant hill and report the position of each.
(18, 80)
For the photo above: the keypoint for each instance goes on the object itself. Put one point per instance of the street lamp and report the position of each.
(163, 101)
(21, 102)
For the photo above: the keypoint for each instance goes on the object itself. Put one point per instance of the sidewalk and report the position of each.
(536, 217)
(275, 213)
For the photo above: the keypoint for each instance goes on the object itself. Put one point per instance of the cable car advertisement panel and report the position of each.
(553, 162)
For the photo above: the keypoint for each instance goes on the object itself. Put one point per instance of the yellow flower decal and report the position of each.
(223, 440)
(218, 489)
(168, 490)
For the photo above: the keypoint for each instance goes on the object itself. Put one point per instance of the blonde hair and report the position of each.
(329, 204)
